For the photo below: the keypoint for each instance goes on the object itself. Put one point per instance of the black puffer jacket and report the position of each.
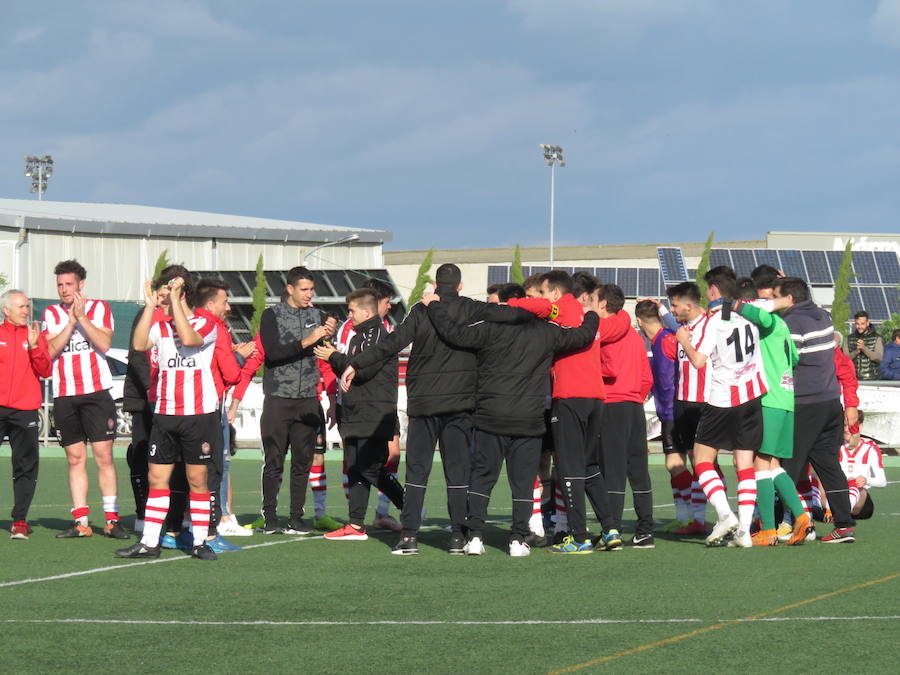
(513, 366)
(137, 376)
(440, 378)
(369, 407)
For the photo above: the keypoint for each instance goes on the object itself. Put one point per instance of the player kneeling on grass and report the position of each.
(863, 465)
(185, 424)
(513, 373)
(368, 415)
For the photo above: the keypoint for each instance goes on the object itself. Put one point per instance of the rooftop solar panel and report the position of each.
(628, 281)
(855, 300)
(767, 256)
(892, 295)
(719, 256)
(648, 283)
(888, 267)
(538, 270)
(834, 262)
(792, 263)
(671, 262)
(743, 260)
(605, 275)
(864, 268)
(873, 299)
(498, 274)
(817, 267)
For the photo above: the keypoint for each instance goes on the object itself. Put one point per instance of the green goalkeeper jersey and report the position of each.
(779, 355)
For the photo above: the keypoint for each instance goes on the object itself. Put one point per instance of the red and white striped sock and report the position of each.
(111, 507)
(562, 514)
(154, 516)
(384, 504)
(804, 489)
(816, 490)
(80, 514)
(746, 497)
(536, 497)
(199, 516)
(713, 488)
(346, 479)
(854, 493)
(681, 493)
(319, 484)
(698, 500)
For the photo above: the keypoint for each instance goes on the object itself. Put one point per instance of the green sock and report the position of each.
(765, 501)
(788, 492)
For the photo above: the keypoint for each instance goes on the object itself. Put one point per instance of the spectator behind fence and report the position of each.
(890, 362)
(865, 347)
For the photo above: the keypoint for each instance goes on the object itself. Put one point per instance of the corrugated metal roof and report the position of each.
(153, 220)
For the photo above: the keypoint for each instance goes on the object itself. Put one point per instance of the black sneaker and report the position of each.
(203, 552)
(271, 527)
(457, 543)
(114, 530)
(559, 536)
(406, 546)
(642, 541)
(298, 526)
(76, 531)
(139, 550)
(535, 541)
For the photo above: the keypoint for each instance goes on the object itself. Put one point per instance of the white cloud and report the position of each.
(885, 22)
(26, 34)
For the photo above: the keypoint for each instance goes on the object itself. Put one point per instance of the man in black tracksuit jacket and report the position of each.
(513, 373)
(368, 415)
(440, 385)
(818, 415)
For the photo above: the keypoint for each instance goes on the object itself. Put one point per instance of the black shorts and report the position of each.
(867, 509)
(738, 428)
(687, 416)
(192, 439)
(85, 418)
(396, 425)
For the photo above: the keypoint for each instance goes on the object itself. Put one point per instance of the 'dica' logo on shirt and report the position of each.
(77, 346)
(181, 362)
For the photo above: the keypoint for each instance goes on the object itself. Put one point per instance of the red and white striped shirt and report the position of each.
(735, 360)
(186, 385)
(79, 369)
(864, 460)
(693, 384)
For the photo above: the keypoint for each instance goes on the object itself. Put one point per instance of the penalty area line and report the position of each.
(155, 561)
(527, 622)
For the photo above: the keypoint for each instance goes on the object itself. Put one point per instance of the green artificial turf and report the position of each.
(664, 607)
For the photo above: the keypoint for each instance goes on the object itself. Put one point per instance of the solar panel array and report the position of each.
(819, 268)
(671, 264)
(635, 282)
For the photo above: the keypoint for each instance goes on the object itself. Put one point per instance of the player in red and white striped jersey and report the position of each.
(185, 423)
(863, 465)
(732, 419)
(79, 333)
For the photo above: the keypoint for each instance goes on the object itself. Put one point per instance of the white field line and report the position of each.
(525, 622)
(155, 561)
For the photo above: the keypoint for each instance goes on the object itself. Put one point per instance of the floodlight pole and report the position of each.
(39, 169)
(344, 240)
(553, 155)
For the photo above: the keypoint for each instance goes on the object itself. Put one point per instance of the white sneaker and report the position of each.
(536, 524)
(811, 532)
(722, 529)
(231, 528)
(519, 549)
(474, 546)
(741, 539)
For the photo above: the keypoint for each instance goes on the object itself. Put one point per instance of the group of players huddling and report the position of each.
(550, 377)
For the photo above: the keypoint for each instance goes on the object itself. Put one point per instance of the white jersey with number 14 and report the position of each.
(734, 359)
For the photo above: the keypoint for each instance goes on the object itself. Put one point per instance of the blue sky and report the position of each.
(677, 116)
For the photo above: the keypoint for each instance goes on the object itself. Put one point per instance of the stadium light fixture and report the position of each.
(39, 170)
(344, 240)
(553, 155)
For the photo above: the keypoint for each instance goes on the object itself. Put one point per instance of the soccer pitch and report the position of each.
(302, 604)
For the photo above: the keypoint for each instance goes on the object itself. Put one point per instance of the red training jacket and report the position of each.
(22, 368)
(846, 375)
(225, 369)
(626, 368)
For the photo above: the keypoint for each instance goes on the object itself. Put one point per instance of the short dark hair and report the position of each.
(507, 291)
(494, 288)
(895, 334)
(861, 314)
(171, 272)
(71, 267)
(687, 290)
(615, 298)
(533, 281)
(582, 282)
(382, 288)
(208, 288)
(646, 310)
(295, 274)
(447, 276)
(365, 297)
(746, 289)
(558, 280)
(794, 287)
(764, 276)
(724, 279)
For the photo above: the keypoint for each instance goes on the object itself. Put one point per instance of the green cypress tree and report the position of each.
(161, 263)
(260, 293)
(703, 267)
(840, 307)
(422, 280)
(515, 271)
